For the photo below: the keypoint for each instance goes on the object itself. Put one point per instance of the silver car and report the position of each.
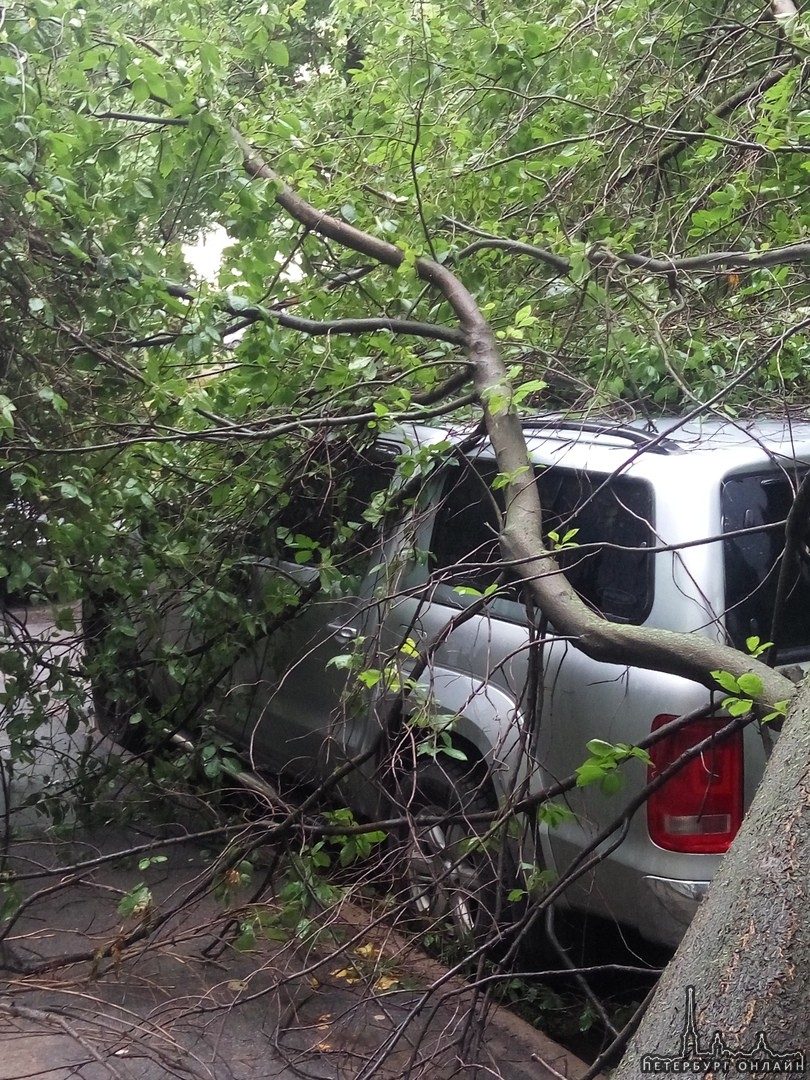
(452, 694)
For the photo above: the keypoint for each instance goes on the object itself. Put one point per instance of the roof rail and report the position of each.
(651, 440)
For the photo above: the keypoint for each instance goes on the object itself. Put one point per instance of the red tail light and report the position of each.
(700, 808)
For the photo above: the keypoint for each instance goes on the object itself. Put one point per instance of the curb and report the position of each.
(519, 1049)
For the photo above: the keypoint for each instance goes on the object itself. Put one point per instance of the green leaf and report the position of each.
(564, 542)
(600, 748)
(136, 903)
(524, 317)
(151, 860)
(641, 755)
(554, 813)
(612, 783)
(370, 678)
(779, 711)
(738, 706)
(756, 647)
(727, 681)
(277, 54)
(7, 410)
(409, 647)
(342, 662)
(63, 619)
(750, 685)
(497, 398)
(591, 772)
(239, 303)
(452, 752)
(503, 480)
(245, 941)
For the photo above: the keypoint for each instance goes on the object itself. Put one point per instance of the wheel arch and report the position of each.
(488, 725)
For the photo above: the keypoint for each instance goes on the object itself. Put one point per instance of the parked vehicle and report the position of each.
(671, 525)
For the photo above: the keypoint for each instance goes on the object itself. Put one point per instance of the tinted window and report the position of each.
(612, 518)
(334, 484)
(465, 537)
(618, 513)
(753, 562)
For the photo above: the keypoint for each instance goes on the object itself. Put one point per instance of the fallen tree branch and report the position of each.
(517, 247)
(745, 93)
(49, 1017)
(713, 261)
(687, 655)
(316, 328)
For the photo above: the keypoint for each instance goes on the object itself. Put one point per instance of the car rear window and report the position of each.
(609, 560)
(753, 561)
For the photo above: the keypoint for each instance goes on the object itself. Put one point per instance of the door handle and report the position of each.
(344, 632)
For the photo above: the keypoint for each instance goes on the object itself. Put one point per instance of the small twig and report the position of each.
(41, 1016)
(611, 1052)
(138, 118)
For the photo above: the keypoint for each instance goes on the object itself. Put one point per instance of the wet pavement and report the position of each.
(82, 1000)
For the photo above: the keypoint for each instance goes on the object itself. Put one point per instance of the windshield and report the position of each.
(753, 562)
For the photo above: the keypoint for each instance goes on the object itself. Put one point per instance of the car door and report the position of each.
(528, 700)
(479, 652)
(293, 685)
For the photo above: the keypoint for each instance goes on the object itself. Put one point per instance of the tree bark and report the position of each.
(747, 952)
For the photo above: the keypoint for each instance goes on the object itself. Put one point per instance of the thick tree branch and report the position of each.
(686, 655)
(317, 328)
(271, 430)
(516, 247)
(52, 1018)
(711, 262)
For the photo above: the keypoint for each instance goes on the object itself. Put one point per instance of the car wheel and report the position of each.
(119, 698)
(451, 877)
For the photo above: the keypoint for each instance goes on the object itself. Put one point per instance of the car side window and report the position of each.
(609, 561)
(333, 487)
(753, 563)
(465, 548)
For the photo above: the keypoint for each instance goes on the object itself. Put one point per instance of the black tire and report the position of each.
(115, 701)
(451, 882)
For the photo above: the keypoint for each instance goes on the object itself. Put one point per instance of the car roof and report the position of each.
(604, 444)
(667, 436)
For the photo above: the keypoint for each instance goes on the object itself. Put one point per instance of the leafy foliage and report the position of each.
(601, 767)
(741, 694)
(622, 191)
(555, 131)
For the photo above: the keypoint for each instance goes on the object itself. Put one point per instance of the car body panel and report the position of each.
(305, 712)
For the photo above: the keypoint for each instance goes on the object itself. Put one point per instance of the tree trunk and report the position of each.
(747, 952)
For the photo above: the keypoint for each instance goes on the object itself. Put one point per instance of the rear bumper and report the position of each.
(670, 906)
